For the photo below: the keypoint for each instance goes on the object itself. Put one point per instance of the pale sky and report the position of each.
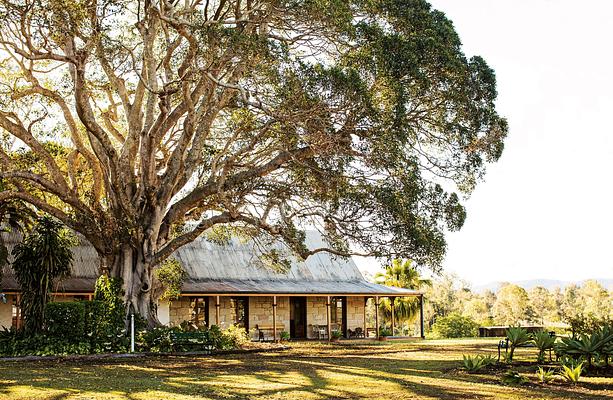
(545, 209)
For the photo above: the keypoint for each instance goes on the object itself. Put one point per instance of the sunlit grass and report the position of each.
(391, 370)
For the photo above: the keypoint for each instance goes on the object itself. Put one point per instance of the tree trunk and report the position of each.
(137, 277)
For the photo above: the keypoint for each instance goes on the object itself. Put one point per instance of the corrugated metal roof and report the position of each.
(235, 269)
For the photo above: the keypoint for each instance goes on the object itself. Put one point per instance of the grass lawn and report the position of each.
(390, 370)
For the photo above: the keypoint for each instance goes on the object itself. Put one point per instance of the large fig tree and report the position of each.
(143, 124)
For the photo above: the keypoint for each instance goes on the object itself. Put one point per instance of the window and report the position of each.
(240, 311)
(200, 311)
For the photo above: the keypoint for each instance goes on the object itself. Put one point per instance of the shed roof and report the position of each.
(234, 269)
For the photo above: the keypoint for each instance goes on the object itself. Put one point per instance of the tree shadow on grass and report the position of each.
(334, 374)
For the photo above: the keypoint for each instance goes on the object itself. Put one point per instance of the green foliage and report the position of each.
(42, 257)
(109, 291)
(545, 376)
(156, 339)
(543, 341)
(454, 326)
(14, 215)
(171, 275)
(79, 327)
(160, 339)
(588, 346)
(284, 336)
(517, 336)
(582, 324)
(66, 320)
(476, 363)
(385, 332)
(512, 305)
(233, 338)
(339, 334)
(514, 378)
(16, 344)
(571, 374)
(404, 275)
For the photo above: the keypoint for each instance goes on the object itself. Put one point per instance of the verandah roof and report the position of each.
(235, 269)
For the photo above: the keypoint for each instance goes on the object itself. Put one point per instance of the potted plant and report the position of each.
(284, 336)
(384, 333)
(336, 335)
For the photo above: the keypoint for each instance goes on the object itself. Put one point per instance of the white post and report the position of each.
(132, 333)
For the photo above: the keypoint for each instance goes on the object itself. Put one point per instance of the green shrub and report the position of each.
(233, 338)
(455, 326)
(586, 324)
(66, 321)
(284, 335)
(382, 332)
(155, 340)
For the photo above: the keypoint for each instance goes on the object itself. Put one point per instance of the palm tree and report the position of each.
(402, 274)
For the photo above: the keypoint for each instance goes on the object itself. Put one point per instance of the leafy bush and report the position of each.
(66, 320)
(232, 338)
(545, 376)
(156, 340)
(159, 339)
(517, 336)
(455, 326)
(571, 374)
(474, 364)
(16, 343)
(109, 291)
(284, 335)
(383, 332)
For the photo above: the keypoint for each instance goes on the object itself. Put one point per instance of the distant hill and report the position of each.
(547, 283)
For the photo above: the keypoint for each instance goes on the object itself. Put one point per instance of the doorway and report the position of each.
(297, 317)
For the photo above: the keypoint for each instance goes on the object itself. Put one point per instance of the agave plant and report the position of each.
(474, 364)
(517, 337)
(514, 378)
(545, 376)
(588, 345)
(543, 341)
(571, 374)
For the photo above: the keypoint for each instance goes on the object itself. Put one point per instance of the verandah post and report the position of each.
(392, 299)
(274, 318)
(421, 316)
(328, 318)
(377, 317)
(365, 305)
(217, 310)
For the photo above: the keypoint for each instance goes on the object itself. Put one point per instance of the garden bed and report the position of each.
(248, 348)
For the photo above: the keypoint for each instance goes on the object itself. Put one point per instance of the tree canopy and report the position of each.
(145, 124)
